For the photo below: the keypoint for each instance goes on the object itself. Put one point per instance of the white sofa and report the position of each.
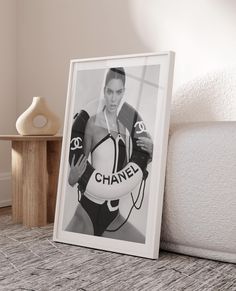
(199, 215)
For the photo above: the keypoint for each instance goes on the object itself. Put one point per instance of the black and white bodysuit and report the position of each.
(107, 156)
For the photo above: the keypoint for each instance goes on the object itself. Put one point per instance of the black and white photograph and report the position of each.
(113, 156)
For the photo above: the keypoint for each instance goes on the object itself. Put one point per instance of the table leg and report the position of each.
(35, 183)
(17, 181)
(53, 163)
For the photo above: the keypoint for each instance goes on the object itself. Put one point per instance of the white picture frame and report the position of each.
(142, 100)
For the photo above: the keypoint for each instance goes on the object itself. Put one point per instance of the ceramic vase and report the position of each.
(26, 124)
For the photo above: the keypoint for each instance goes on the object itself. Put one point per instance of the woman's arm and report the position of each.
(146, 144)
(88, 136)
(77, 169)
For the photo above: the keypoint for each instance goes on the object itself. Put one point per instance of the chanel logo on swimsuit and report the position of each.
(141, 126)
(117, 177)
(76, 143)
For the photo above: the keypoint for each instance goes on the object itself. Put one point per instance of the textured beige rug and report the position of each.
(30, 260)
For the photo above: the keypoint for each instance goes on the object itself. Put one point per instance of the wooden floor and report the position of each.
(5, 210)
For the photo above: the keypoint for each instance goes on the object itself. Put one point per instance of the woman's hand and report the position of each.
(77, 170)
(146, 144)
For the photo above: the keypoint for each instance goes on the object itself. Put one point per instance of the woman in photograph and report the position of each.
(105, 141)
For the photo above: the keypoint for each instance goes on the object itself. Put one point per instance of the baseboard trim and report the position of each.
(5, 189)
(5, 203)
(5, 176)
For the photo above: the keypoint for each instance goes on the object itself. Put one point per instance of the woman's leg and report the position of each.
(80, 222)
(127, 232)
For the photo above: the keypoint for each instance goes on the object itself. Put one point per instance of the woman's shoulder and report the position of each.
(90, 125)
(91, 119)
(99, 119)
(96, 120)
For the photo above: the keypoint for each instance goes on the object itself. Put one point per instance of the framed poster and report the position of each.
(112, 169)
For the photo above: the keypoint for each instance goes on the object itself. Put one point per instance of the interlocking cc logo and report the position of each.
(141, 126)
(76, 143)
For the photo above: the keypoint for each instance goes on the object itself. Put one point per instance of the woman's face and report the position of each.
(113, 93)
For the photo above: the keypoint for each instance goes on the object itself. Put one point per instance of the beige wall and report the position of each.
(7, 91)
(202, 33)
(51, 32)
(7, 68)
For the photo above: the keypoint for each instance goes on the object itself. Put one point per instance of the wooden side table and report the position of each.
(35, 169)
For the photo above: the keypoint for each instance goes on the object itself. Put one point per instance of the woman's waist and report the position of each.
(94, 199)
(111, 205)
